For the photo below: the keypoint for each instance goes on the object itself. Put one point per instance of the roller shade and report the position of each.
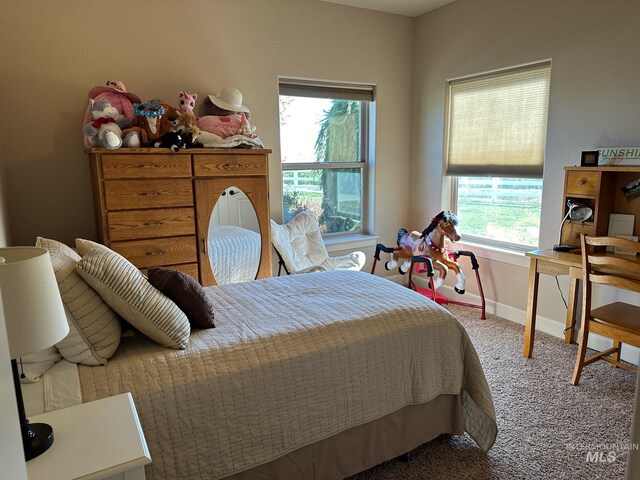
(306, 88)
(498, 123)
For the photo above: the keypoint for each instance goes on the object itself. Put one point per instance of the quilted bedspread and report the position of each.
(234, 253)
(292, 360)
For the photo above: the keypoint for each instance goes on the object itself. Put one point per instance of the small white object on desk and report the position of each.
(95, 440)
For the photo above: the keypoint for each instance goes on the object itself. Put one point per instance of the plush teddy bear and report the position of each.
(105, 127)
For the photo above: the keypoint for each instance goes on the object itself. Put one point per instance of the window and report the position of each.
(496, 132)
(324, 144)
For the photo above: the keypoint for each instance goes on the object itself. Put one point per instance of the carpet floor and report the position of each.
(547, 428)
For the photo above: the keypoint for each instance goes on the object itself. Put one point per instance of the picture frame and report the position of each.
(589, 158)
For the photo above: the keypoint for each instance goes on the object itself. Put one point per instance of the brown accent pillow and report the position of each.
(186, 293)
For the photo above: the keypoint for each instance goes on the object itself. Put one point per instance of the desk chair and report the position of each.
(301, 249)
(619, 321)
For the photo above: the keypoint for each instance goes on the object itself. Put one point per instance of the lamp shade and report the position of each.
(33, 309)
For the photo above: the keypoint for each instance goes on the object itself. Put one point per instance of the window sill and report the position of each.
(350, 242)
(503, 255)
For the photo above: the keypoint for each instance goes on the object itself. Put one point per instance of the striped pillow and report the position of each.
(130, 294)
(94, 329)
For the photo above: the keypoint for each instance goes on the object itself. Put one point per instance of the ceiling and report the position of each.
(410, 8)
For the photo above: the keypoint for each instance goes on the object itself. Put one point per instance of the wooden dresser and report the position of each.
(153, 206)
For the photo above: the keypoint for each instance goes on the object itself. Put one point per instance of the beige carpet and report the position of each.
(540, 415)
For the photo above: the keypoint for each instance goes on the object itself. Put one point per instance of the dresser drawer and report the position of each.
(582, 183)
(231, 165)
(135, 194)
(145, 166)
(571, 232)
(158, 252)
(136, 224)
(190, 269)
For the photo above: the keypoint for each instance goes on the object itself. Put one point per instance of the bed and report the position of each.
(319, 375)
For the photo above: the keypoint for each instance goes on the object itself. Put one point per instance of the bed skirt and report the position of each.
(362, 447)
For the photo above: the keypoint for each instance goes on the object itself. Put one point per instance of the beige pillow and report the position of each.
(85, 246)
(130, 294)
(94, 329)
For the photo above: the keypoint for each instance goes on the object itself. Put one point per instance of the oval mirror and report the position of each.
(234, 238)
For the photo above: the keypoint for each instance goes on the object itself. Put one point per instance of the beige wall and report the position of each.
(595, 99)
(56, 51)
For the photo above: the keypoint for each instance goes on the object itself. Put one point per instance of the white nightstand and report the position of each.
(95, 440)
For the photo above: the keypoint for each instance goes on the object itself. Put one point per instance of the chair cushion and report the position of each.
(299, 242)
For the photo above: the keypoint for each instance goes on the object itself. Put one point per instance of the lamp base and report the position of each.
(37, 439)
(563, 248)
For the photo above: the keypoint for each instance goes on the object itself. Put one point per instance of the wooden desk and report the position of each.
(554, 263)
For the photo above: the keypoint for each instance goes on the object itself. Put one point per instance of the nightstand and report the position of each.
(95, 440)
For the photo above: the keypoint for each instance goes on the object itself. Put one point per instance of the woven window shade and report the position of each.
(498, 123)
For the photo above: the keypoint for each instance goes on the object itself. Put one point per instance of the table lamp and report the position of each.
(576, 213)
(35, 320)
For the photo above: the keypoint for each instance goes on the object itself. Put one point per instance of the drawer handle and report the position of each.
(575, 236)
(581, 181)
(160, 252)
(232, 192)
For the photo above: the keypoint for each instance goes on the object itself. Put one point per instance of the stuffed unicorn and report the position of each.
(186, 102)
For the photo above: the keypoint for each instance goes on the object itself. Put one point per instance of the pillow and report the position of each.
(85, 246)
(33, 366)
(94, 329)
(126, 290)
(186, 292)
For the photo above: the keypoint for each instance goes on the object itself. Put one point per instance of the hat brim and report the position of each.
(94, 92)
(227, 106)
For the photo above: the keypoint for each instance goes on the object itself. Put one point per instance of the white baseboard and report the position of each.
(543, 324)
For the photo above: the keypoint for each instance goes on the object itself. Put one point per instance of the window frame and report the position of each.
(451, 196)
(364, 164)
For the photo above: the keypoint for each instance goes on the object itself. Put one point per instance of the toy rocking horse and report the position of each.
(431, 244)
(427, 252)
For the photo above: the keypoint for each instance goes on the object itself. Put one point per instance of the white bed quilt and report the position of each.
(234, 253)
(292, 360)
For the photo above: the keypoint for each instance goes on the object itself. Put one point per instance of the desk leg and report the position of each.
(571, 310)
(532, 305)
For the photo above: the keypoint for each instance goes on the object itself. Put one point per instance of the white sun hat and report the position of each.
(229, 98)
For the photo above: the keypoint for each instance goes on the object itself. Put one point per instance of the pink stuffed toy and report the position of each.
(116, 94)
(186, 102)
(227, 125)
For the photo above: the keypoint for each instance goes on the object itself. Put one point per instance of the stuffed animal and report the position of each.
(227, 116)
(186, 126)
(116, 94)
(245, 127)
(153, 118)
(186, 102)
(171, 140)
(104, 128)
